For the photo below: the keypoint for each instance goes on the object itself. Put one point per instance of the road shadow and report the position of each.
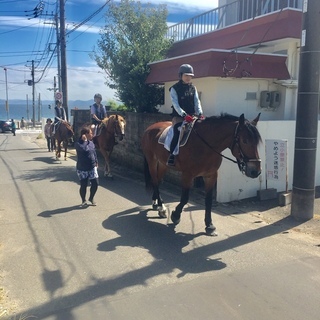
(167, 247)
(54, 173)
(161, 241)
(50, 213)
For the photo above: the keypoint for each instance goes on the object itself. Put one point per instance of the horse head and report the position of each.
(245, 146)
(119, 125)
(70, 132)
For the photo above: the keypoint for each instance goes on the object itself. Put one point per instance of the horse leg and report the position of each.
(157, 171)
(58, 149)
(187, 180)
(106, 156)
(65, 145)
(176, 214)
(209, 185)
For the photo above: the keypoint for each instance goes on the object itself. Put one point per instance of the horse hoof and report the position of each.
(162, 213)
(154, 206)
(174, 219)
(210, 230)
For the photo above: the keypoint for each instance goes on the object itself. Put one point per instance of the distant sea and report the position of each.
(18, 109)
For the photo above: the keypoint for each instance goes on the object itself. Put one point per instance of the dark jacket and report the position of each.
(87, 156)
(100, 112)
(186, 93)
(60, 114)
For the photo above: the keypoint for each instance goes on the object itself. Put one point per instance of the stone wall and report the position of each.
(128, 152)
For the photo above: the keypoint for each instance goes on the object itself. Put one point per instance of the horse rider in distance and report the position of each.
(98, 113)
(59, 115)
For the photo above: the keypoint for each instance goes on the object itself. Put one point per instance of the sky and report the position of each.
(24, 38)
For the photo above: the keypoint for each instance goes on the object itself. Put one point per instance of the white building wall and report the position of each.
(230, 95)
(232, 185)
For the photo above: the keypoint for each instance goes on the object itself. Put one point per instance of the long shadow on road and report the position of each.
(166, 246)
(136, 229)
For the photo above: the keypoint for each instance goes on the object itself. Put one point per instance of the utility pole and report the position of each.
(39, 107)
(7, 101)
(27, 107)
(64, 86)
(303, 191)
(58, 51)
(33, 106)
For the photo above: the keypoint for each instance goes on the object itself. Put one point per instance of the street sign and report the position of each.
(58, 96)
(276, 160)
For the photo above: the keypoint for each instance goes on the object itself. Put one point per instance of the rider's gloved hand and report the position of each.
(188, 118)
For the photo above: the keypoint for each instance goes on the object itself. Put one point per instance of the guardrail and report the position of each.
(227, 15)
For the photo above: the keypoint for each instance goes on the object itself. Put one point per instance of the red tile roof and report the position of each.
(222, 63)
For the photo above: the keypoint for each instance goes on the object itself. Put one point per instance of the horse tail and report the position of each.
(147, 175)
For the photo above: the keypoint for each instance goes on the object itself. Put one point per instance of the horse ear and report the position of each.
(255, 121)
(241, 120)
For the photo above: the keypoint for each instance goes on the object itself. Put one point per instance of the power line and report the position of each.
(87, 19)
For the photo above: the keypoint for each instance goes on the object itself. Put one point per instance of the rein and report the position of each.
(107, 126)
(208, 145)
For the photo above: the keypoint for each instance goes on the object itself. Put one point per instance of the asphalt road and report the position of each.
(118, 260)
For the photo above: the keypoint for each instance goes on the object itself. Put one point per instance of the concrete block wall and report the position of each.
(128, 152)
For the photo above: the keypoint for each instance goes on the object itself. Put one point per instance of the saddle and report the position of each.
(167, 134)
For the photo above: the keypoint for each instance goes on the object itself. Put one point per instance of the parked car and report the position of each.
(5, 126)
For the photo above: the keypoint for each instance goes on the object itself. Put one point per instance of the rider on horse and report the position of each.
(98, 113)
(185, 104)
(59, 115)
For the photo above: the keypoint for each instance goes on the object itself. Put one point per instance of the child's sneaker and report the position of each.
(83, 204)
(92, 203)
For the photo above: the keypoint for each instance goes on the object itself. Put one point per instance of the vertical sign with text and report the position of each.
(276, 160)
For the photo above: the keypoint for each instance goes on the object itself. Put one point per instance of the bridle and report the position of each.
(243, 160)
(115, 123)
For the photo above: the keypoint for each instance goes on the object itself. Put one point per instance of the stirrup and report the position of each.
(170, 161)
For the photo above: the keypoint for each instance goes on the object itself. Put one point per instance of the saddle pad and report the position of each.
(167, 134)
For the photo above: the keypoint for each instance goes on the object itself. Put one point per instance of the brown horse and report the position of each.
(62, 135)
(110, 128)
(201, 156)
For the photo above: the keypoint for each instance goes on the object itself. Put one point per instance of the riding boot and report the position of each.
(175, 138)
(170, 161)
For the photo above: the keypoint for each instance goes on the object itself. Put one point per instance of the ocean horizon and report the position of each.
(18, 110)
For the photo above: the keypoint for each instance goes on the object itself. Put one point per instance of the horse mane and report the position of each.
(112, 116)
(226, 117)
(222, 117)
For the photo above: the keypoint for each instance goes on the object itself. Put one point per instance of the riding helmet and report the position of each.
(186, 69)
(97, 95)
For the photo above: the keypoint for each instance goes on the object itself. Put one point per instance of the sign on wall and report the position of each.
(276, 160)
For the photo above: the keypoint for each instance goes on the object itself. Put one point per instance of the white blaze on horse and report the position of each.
(110, 128)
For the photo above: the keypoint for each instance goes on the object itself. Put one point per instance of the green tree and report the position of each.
(133, 36)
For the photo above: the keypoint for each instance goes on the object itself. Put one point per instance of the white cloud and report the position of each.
(192, 4)
(83, 83)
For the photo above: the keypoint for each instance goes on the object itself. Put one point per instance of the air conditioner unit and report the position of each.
(265, 99)
(275, 99)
